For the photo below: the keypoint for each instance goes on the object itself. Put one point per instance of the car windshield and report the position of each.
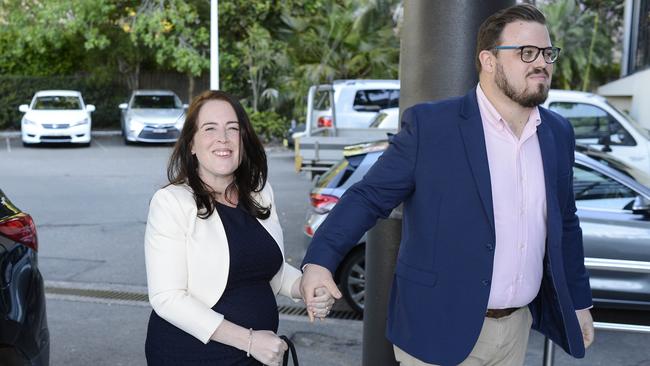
(154, 101)
(57, 102)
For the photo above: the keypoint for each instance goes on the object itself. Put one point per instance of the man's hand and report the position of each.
(586, 326)
(313, 277)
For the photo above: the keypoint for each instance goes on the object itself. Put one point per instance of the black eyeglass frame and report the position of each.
(555, 50)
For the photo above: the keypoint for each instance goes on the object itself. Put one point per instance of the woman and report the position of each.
(213, 247)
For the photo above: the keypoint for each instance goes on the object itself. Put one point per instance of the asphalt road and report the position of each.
(90, 207)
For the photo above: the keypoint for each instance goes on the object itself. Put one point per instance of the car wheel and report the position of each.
(127, 142)
(352, 278)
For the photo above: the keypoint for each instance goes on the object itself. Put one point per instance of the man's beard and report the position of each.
(528, 100)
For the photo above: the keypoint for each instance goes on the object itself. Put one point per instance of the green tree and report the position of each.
(588, 45)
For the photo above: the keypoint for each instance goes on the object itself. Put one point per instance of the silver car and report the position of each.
(614, 212)
(152, 116)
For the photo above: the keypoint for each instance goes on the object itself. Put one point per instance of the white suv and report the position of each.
(356, 102)
(599, 125)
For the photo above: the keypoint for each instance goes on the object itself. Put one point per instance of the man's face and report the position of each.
(525, 83)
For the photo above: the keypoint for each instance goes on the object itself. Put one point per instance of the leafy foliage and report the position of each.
(587, 41)
(270, 51)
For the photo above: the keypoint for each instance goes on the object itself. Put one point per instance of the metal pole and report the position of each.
(214, 44)
(436, 61)
(377, 350)
(549, 352)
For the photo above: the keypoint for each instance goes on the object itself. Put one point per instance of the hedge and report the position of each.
(105, 95)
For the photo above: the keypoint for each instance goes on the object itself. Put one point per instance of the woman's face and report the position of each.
(216, 144)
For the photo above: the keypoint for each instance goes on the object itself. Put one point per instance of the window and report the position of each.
(593, 189)
(155, 101)
(322, 100)
(593, 125)
(57, 102)
(374, 100)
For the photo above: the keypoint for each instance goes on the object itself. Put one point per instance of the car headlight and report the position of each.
(84, 121)
(180, 122)
(28, 122)
(134, 124)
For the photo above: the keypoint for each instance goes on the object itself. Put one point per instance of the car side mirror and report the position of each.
(123, 106)
(90, 108)
(23, 108)
(186, 106)
(605, 141)
(641, 206)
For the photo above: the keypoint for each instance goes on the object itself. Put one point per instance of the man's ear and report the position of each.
(488, 61)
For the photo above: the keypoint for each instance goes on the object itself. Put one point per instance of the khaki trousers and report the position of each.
(502, 342)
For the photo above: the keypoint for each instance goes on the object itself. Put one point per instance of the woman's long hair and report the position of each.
(249, 177)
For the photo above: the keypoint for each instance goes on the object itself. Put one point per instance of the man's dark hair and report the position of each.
(489, 34)
(250, 176)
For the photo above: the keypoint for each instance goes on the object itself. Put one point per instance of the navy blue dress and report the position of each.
(248, 299)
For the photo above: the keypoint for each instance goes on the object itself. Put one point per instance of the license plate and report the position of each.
(159, 130)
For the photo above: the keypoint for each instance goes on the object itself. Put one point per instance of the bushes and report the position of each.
(105, 95)
(269, 125)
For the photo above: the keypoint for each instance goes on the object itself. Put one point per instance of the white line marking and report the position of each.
(100, 145)
(8, 145)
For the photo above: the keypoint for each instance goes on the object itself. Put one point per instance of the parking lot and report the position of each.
(90, 207)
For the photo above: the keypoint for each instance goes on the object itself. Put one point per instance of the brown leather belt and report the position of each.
(499, 313)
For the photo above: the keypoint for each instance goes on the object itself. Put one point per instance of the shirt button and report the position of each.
(489, 246)
(486, 282)
(522, 246)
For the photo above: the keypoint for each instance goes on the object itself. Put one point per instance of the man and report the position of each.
(490, 240)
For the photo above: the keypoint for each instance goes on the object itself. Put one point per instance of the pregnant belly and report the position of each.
(251, 306)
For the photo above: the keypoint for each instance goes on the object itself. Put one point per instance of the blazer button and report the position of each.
(486, 282)
(489, 247)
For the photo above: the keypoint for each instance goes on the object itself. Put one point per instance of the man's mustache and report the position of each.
(538, 71)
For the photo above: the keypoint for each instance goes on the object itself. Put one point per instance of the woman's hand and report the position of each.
(267, 347)
(321, 305)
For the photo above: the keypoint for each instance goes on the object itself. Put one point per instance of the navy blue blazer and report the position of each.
(437, 166)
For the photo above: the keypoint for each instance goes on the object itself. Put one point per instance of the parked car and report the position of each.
(386, 119)
(295, 131)
(614, 211)
(356, 102)
(600, 125)
(152, 116)
(24, 335)
(56, 116)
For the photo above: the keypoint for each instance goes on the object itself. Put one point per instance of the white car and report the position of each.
(599, 125)
(152, 116)
(386, 119)
(56, 116)
(356, 102)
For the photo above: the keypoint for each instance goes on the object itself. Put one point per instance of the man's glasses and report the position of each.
(530, 53)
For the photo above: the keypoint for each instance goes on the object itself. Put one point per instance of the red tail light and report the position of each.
(323, 203)
(309, 231)
(325, 121)
(20, 228)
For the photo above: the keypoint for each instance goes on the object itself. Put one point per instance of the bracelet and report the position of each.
(250, 341)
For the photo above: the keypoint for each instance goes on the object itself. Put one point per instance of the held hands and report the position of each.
(267, 347)
(318, 291)
(586, 326)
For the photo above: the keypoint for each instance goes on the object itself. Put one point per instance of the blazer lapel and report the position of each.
(471, 129)
(549, 161)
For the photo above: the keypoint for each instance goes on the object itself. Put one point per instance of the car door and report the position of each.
(612, 231)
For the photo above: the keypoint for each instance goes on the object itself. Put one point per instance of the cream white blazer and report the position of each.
(187, 260)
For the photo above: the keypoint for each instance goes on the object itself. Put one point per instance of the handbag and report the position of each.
(291, 350)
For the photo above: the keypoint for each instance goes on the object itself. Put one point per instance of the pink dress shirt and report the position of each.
(519, 201)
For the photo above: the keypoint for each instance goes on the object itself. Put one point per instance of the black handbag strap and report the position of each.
(292, 350)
